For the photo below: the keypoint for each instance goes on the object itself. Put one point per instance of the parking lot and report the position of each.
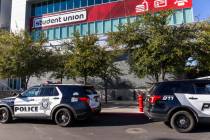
(108, 126)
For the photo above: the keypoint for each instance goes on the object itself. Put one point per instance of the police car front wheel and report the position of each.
(63, 117)
(5, 115)
(183, 121)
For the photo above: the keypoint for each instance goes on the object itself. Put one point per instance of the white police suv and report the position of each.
(61, 103)
(181, 104)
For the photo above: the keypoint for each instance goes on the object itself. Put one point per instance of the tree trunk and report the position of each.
(26, 84)
(85, 81)
(25, 81)
(163, 76)
(106, 90)
(156, 78)
(162, 73)
(61, 80)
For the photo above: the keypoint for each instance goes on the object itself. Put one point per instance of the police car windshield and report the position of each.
(32, 92)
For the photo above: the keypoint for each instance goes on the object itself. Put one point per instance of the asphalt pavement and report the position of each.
(107, 126)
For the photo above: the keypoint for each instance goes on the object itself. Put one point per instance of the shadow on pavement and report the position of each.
(202, 128)
(168, 139)
(104, 119)
(33, 121)
(115, 119)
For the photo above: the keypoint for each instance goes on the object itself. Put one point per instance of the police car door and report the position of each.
(50, 98)
(27, 104)
(201, 99)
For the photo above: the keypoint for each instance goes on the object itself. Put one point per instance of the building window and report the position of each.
(179, 17)
(64, 32)
(188, 15)
(50, 7)
(115, 24)
(71, 31)
(44, 8)
(57, 33)
(70, 4)
(98, 1)
(51, 34)
(38, 10)
(57, 5)
(171, 20)
(90, 2)
(132, 19)
(33, 10)
(107, 26)
(77, 28)
(84, 3)
(105, 1)
(123, 21)
(63, 5)
(99, 27)
(76, 3)
(37, 34)
(84, 29)
(92, 28)
(45, 32)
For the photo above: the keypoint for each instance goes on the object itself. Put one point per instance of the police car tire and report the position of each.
(58, 117)
(184, 115)
(8, 115)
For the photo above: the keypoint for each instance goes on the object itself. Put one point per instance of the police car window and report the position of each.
(90, 91)
(202, 88)
(33, 92)
(48, 91)
(184, 88)
(166, 89)
(69, 90)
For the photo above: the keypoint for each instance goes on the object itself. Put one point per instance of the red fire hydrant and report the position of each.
(141, 105)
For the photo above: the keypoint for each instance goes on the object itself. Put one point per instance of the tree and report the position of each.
(157, 48)
(82, 61)
(107, 68)
(59, 60)
(22, 57)
(199, 64)
(90, 60)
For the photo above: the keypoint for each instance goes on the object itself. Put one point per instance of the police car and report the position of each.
(58, 102)
(180, 104)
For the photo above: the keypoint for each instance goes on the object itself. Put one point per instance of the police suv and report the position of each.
(180, 104)
(58, 102)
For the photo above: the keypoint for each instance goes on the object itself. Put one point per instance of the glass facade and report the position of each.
(52, 6)
(97, 27)
(103, 27)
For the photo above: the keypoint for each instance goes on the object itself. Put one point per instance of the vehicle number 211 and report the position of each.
(170, 98)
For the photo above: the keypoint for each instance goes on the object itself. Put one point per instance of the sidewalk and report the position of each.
(120, 107)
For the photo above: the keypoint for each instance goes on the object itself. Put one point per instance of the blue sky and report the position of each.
(201, 9)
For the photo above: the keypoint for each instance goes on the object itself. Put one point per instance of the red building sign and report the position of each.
(107, 11)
